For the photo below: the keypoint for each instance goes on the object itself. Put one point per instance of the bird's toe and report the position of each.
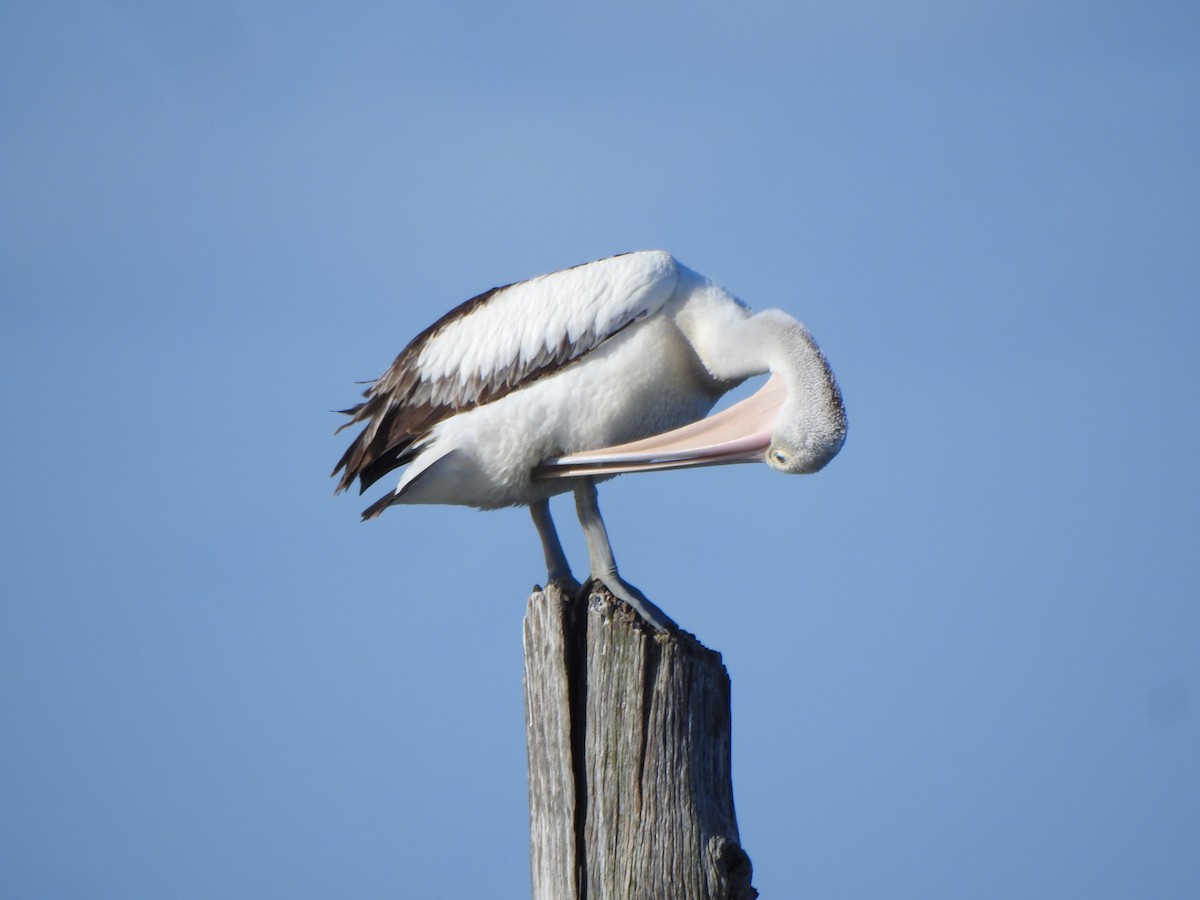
(639, 602)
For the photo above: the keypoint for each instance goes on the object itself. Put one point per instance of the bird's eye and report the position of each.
(779, 457)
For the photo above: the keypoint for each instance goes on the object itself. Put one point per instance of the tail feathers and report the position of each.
(372, 455)
(378, 506)
(391, 437)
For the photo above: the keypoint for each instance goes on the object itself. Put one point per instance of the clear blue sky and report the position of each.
(964, 656)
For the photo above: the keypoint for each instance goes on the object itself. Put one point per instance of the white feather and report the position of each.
(524, 323)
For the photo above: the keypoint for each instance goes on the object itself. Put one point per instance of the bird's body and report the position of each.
(628, 388)
(523, 392)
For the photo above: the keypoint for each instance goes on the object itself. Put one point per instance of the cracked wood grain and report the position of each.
(628, 734)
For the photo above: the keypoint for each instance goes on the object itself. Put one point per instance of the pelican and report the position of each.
(549, 385)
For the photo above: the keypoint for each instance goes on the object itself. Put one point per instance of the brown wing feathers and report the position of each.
(398, 411)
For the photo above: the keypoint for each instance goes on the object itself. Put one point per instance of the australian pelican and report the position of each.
(548, 385)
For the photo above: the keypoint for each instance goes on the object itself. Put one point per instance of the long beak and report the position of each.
(739, 434)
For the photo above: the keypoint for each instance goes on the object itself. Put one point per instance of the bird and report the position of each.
(551, 385)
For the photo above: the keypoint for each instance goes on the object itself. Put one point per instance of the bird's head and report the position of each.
(811, 426)
(804, 450)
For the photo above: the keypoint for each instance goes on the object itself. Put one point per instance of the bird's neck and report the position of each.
(735, 344)
(789, 351)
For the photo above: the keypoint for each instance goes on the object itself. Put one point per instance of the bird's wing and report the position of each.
(494, 344)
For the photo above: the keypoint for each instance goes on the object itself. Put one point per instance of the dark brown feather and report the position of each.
(378, 506)
(395, 418)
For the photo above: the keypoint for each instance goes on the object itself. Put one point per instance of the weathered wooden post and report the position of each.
(630, 794)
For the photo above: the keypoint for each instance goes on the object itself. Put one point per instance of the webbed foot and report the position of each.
(639, 602)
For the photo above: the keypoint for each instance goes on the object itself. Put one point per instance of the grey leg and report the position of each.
(557, 567)
(604, 567)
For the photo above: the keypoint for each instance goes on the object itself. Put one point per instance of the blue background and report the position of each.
(964, 656)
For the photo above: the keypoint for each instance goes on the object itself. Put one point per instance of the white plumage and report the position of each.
(540, 387)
